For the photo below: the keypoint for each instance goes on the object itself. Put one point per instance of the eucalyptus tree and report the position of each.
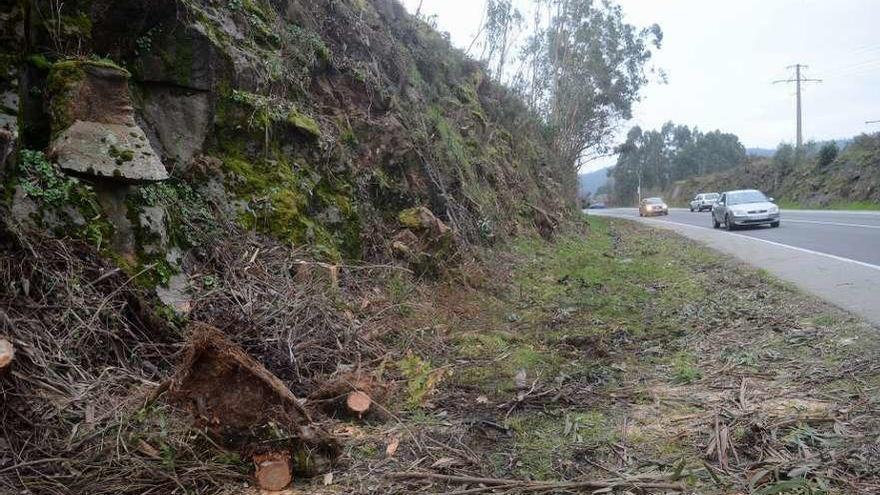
(579, 68)
(587, 67)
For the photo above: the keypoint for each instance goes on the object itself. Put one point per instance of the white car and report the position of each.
(746, 207)
(704, 201)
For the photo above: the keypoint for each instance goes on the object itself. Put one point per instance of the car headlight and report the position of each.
(739, 213)
(773, 209)
(664, 206)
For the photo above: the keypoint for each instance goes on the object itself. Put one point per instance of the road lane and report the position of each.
(851, 235)
(837, 259)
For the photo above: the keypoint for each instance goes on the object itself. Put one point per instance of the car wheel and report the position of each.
(728, 224)
(715, 223)
(774, 224)
(692, 209)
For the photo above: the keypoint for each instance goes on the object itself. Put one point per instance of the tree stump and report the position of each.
(273, 471)
(358, 402)
(7, 352)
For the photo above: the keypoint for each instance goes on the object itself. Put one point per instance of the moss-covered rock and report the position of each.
(46, 198)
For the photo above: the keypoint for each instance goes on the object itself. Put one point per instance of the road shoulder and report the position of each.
(848, 284)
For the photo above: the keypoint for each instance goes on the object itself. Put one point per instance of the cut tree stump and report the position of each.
(350, 395)
(358, 402)
(273, 471)
(7, 352)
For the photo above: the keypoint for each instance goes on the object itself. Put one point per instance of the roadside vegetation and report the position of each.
(825, 176)
(629, 354)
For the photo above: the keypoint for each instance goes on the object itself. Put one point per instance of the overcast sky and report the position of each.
(722, 56)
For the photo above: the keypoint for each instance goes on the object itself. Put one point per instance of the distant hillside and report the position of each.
(849, 179)
(590, 182)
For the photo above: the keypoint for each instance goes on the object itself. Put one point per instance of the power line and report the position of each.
(798, 79)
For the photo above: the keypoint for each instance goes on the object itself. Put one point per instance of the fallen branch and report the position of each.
(529, 486)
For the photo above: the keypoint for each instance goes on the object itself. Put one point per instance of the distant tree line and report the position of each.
(655, 159)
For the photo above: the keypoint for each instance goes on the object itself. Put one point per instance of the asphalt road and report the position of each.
(832, 254)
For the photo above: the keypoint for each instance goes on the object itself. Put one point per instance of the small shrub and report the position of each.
(684, 371)
(44, 180)
(422, 380)
(828, 154)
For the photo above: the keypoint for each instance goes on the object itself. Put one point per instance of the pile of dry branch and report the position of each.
(84, 408)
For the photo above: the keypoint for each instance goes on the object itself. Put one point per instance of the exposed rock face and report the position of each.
(108, 150)
(426, 243)
(11, 32)
(181, 119)
(423, 219)
(315, 133)
(93, 121)
(7, 144)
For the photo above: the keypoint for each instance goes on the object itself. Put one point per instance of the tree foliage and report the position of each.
(580, 68)
(827, 154)
(655, 159)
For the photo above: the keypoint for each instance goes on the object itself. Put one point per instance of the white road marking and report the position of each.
(774, 243)
(861, 226)
(788, 211)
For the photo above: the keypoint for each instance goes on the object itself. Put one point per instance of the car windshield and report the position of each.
(711, 196)
(739, 198)
(654, 201)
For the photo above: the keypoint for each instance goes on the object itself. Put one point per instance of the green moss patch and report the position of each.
(271, 110)
(296, 205)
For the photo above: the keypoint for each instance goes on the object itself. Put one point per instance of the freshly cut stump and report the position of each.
(358, 402)
(273, 471)
(7, 352)
(350, 395)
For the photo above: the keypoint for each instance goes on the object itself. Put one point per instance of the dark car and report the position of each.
(649, 207)
(597, 206)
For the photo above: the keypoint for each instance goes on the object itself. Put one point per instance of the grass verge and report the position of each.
(630, 352)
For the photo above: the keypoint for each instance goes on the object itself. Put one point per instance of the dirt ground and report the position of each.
(626, 356)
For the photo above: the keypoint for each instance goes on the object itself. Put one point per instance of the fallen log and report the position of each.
(527, 486)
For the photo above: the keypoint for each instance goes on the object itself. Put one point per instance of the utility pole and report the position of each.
(798, 79)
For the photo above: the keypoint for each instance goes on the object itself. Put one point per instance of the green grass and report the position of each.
(631, 339)
(587, 289)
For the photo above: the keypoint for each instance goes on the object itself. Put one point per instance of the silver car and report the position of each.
(736, 209)
(703, 201)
